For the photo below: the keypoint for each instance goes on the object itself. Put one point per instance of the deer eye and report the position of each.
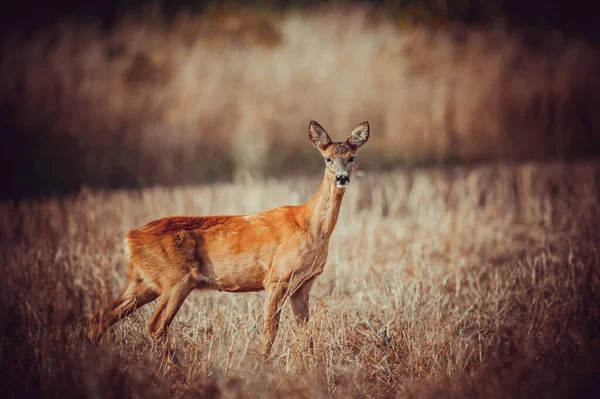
(328, 160)
(351, 159)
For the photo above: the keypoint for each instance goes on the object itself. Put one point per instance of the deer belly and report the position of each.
(238, 274)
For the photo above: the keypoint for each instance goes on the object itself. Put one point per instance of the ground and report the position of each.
(479, 281)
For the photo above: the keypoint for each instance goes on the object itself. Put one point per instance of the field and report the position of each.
(462, 282)
(204, 98)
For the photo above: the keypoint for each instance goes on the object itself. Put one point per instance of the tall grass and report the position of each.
(200, 98)
(463, 282)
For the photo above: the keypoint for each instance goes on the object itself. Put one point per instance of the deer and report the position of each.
(281, 251)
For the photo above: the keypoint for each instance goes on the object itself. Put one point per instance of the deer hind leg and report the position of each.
(135, 295)
(170, 302)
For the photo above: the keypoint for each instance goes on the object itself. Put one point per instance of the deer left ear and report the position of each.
(359, 135)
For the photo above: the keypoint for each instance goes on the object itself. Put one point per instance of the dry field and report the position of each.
(196, 98)
(465, 282)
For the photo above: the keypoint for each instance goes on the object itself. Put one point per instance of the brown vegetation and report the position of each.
(476, 282)
(201, 97)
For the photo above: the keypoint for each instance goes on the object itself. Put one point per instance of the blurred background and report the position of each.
(465, 263)
(109, 94)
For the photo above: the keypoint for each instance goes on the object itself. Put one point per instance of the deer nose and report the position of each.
(342, 179)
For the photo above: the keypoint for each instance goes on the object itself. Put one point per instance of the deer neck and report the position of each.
(324, 208)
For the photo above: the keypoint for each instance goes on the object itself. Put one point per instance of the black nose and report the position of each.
(343, 179)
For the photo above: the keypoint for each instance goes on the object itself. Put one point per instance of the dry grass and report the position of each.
(201, 97)
(468, 282)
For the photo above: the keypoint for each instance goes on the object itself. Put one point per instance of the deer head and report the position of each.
(339, 156)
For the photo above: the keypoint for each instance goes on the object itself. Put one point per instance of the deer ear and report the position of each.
(318, 136)
(359, 135)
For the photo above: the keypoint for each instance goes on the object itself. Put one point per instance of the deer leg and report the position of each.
(275, 299)
(135, 295)
(171, 301)
(299, 301)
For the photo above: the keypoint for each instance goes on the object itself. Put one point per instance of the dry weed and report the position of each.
(476, 282)
(201, 98)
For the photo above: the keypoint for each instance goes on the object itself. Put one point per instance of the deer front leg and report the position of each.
(275, 299)
(299, 301)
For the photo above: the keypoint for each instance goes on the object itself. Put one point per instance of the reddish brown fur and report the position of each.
(280, 250)
(177, 223)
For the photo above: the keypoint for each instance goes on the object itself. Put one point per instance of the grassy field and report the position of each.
(463, 282)
(198, 98)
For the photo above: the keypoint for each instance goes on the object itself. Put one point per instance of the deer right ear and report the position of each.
(318, 136)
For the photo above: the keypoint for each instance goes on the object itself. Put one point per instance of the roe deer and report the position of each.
(281, 250)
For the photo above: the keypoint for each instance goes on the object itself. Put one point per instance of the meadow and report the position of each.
(478, 281)
(465, 259)
(200, 98)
